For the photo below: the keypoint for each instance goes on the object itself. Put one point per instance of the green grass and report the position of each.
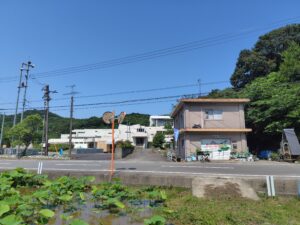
(221, 210)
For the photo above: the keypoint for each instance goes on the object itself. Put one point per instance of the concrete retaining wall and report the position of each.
(283, 186)
(122, 152)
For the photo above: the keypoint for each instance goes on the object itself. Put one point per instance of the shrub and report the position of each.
(124, 144)
(159, 140)
(274, 156)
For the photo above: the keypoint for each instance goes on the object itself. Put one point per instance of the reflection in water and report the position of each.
(88, 211)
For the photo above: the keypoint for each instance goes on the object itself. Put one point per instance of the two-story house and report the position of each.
(216, 126)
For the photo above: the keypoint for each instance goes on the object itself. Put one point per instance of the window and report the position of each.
(234, 145)
(212, 114)
(140, 130)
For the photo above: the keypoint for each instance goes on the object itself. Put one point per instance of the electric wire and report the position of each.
(216, 40)
(129, 92)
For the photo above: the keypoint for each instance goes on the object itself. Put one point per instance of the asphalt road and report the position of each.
(231, 169)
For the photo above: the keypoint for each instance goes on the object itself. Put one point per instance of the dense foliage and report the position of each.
(26, 198)
(266, 55)
(159, 140)
(27, 132)
(137, 118)
(275, 101)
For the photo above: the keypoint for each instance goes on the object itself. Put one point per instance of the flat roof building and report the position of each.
(215, 126)
(160, 121)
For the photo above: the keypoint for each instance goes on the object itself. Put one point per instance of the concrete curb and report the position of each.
(283, 186)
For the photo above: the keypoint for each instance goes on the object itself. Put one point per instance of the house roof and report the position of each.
(292, 141)
(207, 100)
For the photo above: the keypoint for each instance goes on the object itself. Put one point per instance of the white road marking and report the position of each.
(77, 164)
(5, 163)
(209, 174)
(204, 167)
(164, 172)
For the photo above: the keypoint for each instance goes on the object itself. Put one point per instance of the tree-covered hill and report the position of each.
(274, 89)
(60, 125)
(266, 55)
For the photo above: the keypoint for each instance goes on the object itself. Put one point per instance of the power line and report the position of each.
(212, 41)
(117, 102)
(216, 40)
(193, 95)
(118, 105)
(132, 91)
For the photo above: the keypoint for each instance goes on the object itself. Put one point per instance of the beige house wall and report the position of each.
(232, 116)
(181, 146)
(179, 120)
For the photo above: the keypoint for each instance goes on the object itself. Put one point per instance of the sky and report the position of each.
(57, 35)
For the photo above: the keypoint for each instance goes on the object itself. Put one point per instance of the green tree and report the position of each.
(266, 55)
(159, 140)
(137, 118)
(169, 129)
(275, 102)
(274, 105)
(27, 132)
(290, 67)
(225, 93)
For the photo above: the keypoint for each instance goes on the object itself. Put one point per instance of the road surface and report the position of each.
(231, 169)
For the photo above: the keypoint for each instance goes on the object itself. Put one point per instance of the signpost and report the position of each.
(109, 118)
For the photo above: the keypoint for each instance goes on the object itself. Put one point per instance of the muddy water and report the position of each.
(138, 211)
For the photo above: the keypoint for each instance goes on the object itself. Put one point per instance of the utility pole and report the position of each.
(199, 84)
(25, 85)
(72, 93)
(47, 99)
(127, 130)
(2, 129)
(71, 126)
(18, 95)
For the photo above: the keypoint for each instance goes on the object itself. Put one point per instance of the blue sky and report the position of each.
(60, 34)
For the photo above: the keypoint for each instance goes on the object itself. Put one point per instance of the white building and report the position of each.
(138, 135)
(160, 121)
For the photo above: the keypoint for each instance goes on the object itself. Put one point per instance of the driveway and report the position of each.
(145, 155)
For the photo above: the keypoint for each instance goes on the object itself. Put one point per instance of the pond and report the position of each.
(27, 198)
(138, 209)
